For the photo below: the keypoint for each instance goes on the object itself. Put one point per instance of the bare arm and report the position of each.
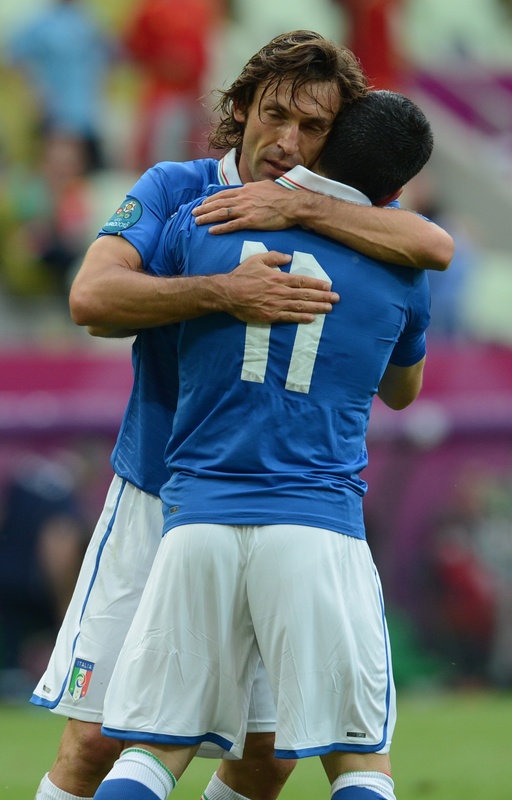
(400, 386)
(111, 295)
(388, 234)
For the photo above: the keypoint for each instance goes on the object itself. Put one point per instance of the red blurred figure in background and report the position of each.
(373, 37)
(170, 42)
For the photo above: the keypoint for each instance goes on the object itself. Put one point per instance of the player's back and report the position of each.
(271, 420)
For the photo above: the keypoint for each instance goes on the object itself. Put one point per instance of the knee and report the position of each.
(95, 747)
(85, 749)
(259, 751)
(84, 758)
(259, 774)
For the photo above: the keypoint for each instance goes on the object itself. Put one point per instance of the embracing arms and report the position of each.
(113, 296)
(387, 234)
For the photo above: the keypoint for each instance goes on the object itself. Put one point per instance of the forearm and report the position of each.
(400, 386)
(122, 301)
(113, 296)
(388, 234)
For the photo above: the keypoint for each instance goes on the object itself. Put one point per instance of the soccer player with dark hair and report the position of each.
(114, 293)
(264, 550)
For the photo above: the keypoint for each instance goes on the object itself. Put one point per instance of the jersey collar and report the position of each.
(297, 178)
(228, 170)
(301, 178)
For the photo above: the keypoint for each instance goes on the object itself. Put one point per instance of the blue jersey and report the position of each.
(271, 420)
(138, 455)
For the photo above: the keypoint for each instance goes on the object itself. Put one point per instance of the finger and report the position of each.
(274, 257)
(315, 298)
(209, 210)
(217, 198)
(219, 219)
(309, 285)
(296, 317)
(220, 227)
(303, 315)
(320, 304)
(313, 301)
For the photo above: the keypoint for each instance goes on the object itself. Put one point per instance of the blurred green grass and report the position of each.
(447, 746)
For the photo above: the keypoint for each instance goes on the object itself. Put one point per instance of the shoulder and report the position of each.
(186, 172)
(172, 183)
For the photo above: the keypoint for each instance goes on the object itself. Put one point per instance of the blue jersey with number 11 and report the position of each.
(271, 419)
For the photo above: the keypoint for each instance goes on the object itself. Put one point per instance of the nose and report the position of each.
(289, 139)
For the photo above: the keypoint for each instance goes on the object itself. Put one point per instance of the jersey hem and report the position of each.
(212, 519)
(162, 738)
(56, 707)
(336, 747)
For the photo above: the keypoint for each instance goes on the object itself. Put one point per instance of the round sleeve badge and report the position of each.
(125, 217)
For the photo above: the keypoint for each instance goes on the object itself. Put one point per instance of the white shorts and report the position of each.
(113, 575)
(309, 600)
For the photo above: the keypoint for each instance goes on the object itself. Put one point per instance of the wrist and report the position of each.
(305, 208)
(213, 293)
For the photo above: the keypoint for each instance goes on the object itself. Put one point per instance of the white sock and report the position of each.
(48, 791)
(217, 790)
(139, 766)
(378, 782)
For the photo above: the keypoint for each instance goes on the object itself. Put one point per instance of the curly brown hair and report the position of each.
(302, 57)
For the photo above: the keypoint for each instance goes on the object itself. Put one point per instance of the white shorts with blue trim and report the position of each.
(113, 575)
(307, 599)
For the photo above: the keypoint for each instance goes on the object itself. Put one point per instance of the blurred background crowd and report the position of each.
(92, 94)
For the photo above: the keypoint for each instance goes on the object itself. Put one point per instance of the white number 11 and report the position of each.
(307, 338)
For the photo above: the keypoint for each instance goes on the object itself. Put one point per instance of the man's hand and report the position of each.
(254, 292)
(262, 205)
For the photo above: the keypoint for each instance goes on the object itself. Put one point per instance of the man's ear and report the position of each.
(385, 201)
(239, 113)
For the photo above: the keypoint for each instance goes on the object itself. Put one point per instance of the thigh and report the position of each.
(193, 635)
(113, 574)
(317, 607)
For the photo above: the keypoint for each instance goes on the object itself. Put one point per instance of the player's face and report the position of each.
(281, 133)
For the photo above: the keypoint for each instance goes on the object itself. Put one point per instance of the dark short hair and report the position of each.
(377, 144)
(301, 57)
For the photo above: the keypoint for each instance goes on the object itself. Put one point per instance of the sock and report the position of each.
(363, 786)
(48, 791)
(137, 775)
(217, 790)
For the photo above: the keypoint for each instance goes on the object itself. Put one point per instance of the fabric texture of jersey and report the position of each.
(295, 453)
(144, 432)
